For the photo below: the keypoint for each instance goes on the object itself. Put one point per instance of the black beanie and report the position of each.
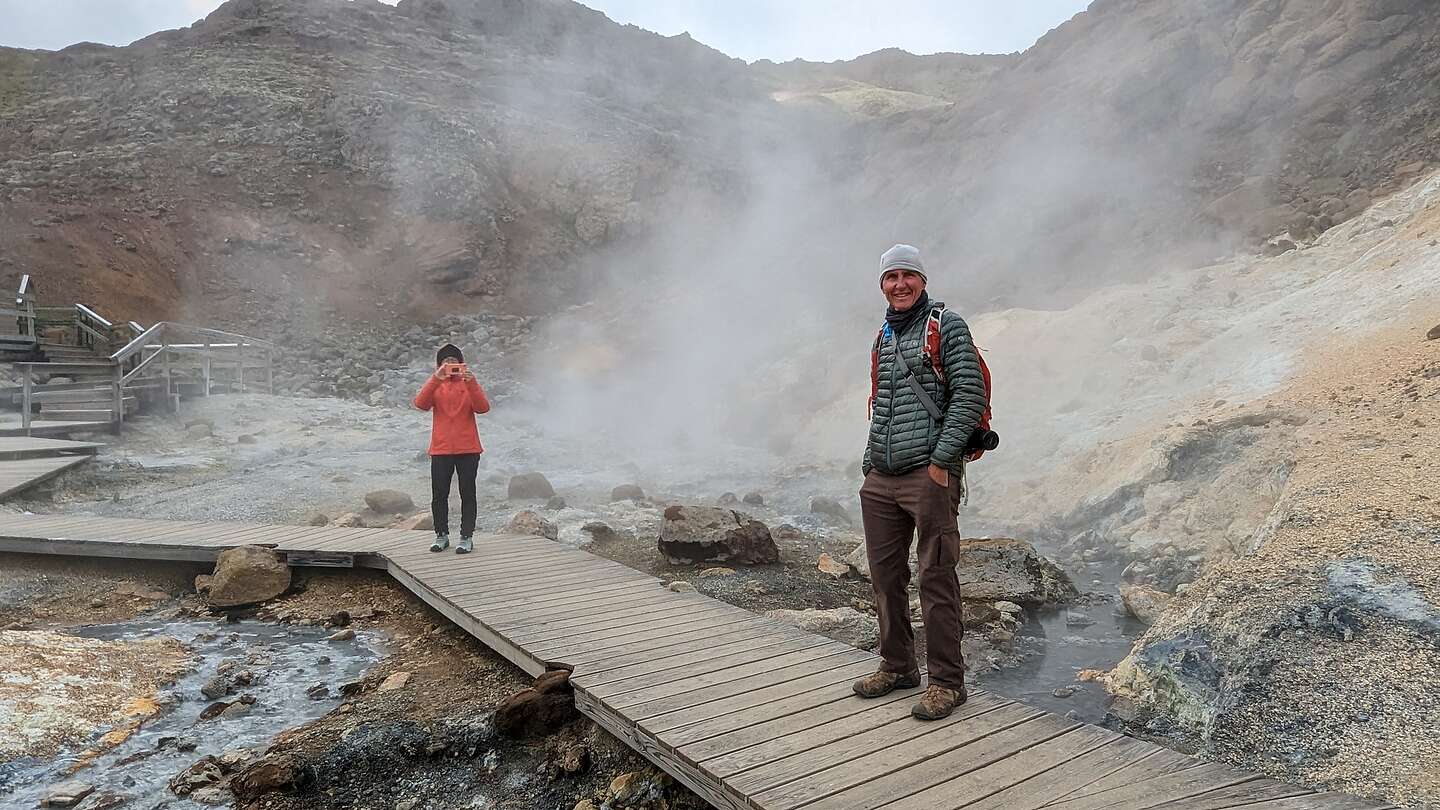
(448, 352)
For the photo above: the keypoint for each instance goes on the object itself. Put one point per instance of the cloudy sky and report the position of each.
(750, 29)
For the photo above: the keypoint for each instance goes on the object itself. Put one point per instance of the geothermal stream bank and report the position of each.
(274, 676)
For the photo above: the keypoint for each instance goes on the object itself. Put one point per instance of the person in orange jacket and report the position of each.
(453, 396)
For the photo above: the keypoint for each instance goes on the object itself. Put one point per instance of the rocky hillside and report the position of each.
(293, 159)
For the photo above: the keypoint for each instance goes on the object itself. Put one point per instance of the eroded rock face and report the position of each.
(994, 569)
(693, 534)
(247, 575)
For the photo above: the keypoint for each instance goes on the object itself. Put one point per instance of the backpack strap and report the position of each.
(933, 351)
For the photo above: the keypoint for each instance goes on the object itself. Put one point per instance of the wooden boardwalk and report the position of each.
(750, 713)
(26, 461)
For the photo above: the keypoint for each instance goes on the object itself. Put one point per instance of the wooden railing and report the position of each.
(24, 309)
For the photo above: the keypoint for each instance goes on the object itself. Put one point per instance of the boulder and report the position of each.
(280, 772)
(528, 486)
(532, 523)
(247, 575)
(556, 503)
(994, 569)
(727, 499)
(1434, 333)
(539, 710)
(389, 502)
(316, 519)
(395, 681)
(693, 534)
(1144, 603)
(627, 492)
(203, 772)
(754, 499)
(829, 507)
(842, 624)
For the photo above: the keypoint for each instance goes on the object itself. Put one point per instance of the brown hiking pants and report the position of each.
(895, 508)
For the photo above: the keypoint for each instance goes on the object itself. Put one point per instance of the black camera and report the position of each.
(982, 440)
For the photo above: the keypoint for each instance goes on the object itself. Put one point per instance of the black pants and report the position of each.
(441, 469)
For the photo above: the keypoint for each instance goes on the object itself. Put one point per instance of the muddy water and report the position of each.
(286, 661)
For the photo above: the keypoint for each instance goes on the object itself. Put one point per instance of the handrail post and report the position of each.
(119, 398)
(165, 366)
(240, 353)
(25, 388)
(205, 366)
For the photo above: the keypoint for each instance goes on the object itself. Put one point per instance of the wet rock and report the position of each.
(389, 501)
(539, 710)
(1144, 603)
(203, 772)
(216, 688)
(235, 758)
(842, 624)
(533, 524)
(555, 504)
(67, 794)
(1077, 619)
(395, 681)
(247, 575)
(239, 708)
(318, 691)
(627, 492)
(342, 635)
(277, 772)
(829, 507)
(754, 499)
(527, 486)
(1064, 692)
(695, 534)
(995, 569)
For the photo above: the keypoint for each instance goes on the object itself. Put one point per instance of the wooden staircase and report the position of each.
(79, 372)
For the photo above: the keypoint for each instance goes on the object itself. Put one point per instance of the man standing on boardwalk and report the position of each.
(927, 397)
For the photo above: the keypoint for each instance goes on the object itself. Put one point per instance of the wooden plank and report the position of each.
(567, 615)
(1169, 787)
(1245, 794)
(18, 476)
(555, 587)
(466, 576)
(1319, 801)
(652, 620)
(930, 786)
(821, 725)
(815, 773)
(598, 657)
(711, 656)
(577, 643)
(1042, 787)
(823, 681)
(480, 585)
(672, 694)
(1157, 763)
(512, 557)
(550, 599)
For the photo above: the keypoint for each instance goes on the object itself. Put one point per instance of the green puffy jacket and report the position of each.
(903, 437)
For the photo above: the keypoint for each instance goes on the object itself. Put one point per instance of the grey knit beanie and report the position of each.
(902, 257)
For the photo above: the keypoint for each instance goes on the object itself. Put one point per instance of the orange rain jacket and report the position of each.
(454, 404)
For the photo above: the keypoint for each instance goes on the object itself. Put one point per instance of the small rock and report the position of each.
(727, 499)
(318, 692)
(829, 565)
(340, 618)
(395, 681)
(1008, 607)
(679, 586)
(754, 499)
(389, 502)
(423, 522)
(820, 505)
(718, 571)
(1144, 603)
(1064, 692)
(239, 708)
(533, 524)
(281, 772)
(574, 759)
(555, 504)
(342, 635)
(67, 794)
(585, 804)
(529, 486)
(236, 758)
(317, 519)
(1076, 619)
(247, 438)
(350, 520)
(627, 492)
(216, 688)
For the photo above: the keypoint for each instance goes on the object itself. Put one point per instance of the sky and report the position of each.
(818, 30)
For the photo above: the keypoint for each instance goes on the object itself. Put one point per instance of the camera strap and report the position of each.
(926, 401)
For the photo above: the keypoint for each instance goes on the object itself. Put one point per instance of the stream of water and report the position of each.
(286, 662)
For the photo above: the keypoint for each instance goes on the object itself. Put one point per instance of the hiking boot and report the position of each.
(465, 546)
(938, 702)
(442, 542)
(883, 683)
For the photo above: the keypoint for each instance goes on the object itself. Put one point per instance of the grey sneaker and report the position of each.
(465, 546)
(442, 542)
